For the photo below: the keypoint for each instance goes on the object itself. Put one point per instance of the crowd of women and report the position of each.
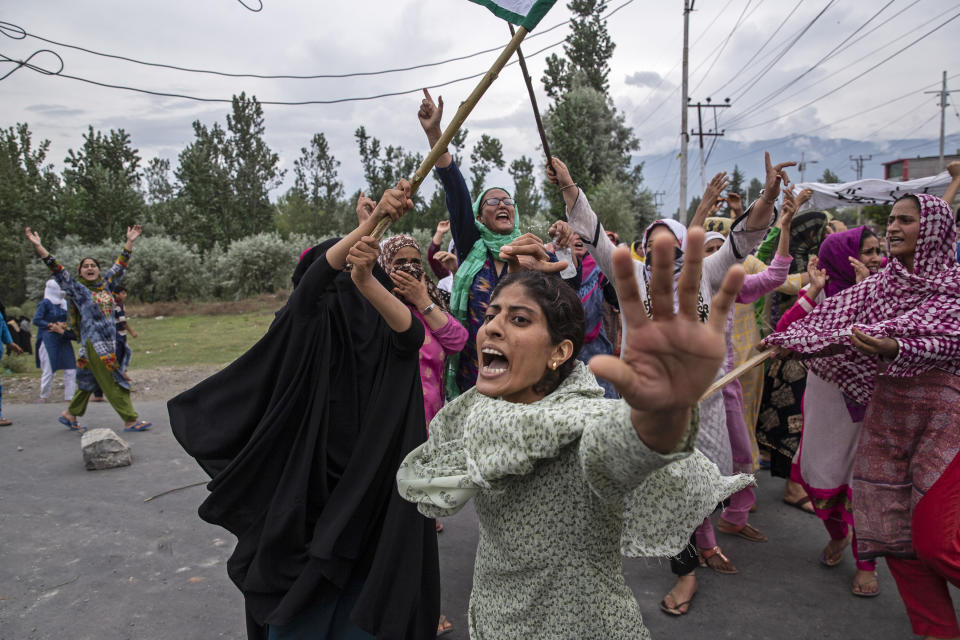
(568, 398)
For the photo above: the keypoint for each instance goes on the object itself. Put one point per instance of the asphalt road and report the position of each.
(82, 556)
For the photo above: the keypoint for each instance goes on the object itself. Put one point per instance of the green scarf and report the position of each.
(470, 266)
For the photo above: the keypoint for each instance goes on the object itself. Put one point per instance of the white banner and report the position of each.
(870, 191)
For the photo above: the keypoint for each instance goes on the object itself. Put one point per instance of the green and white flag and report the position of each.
(526, 13)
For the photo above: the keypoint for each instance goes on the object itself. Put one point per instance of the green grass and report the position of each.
(179, 341)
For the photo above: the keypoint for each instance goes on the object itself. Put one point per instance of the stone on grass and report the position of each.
(104, 449)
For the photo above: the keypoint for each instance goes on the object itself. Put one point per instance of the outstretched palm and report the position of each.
(671, 359)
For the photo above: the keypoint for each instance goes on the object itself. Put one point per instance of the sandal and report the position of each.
(72, 425)
(714, 559)
(676, 610)
(835, 558)
(857, 588)
(140, 425)
(745, 531)
(802, 504)
(6, 423)
(444, 626)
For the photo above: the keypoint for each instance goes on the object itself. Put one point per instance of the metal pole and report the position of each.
(943, 112)
(684, 138)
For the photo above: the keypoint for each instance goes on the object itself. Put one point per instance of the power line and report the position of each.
(726, 41)
(762, 101)
(755, 57)
(860, 75)
(770, 65)
(18, 33)
(766, 106)
(21, 63)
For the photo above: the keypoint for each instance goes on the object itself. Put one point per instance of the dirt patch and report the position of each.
(161, 383)
(263, 302)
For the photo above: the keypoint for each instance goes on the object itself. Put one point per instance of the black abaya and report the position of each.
(302, 436)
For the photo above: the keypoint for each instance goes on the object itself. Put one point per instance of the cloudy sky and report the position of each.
(811, 77)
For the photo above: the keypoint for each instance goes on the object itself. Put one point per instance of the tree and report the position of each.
(736, 183)
(753, 191)
(592, 138)
(588, 50)
(525, 191)
(692, 209)
(161, 196)
(383, 167)
(207, 217)
(252, 166)
(829, 177)
(487, 153)
(317, 185)
(29, 195)
(102, 183)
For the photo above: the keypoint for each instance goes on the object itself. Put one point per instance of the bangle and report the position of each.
(430, 307)
(765, 198)
(574, 184)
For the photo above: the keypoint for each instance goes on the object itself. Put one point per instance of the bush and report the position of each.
(262, 263)
(163, 269)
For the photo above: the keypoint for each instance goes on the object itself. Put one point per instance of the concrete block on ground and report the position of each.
(104, 449)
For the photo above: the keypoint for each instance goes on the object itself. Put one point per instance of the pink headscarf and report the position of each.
(921, 310)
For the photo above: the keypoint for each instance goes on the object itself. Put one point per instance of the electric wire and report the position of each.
(165, 94)
(18, 33)
(860, 75)
(740, 116)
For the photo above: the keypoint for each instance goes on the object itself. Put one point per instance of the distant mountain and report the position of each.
(661, 172)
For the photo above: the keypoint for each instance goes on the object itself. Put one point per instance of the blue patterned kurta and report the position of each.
(97, 325)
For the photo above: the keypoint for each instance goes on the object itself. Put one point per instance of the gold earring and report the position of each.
(553, 365)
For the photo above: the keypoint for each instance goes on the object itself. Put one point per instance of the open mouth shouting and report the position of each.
(493, 362)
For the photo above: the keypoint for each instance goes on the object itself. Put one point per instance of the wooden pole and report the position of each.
(748, 364)
(458, 119)
(533, 101)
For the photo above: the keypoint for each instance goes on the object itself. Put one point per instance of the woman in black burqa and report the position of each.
(302, 437)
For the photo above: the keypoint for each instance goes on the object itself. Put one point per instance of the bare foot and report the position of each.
(678, 599)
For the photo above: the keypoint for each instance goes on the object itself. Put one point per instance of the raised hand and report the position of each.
(394, 203)
(558, 174)
(562, 234)
(443, 227)
(133, 233)
(671, 359)
(34, 238)
(528, 252)
(362, 256)
(860, 270)
(365, 207)
(735, 202)
(715, 187)
(430, 113)
(775, 175)
(818, 276)
(803, 196)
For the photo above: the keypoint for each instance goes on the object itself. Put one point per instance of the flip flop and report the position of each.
(140, 425)
(675, 611)
(857, 588)
(73, 426)
(799, 504)
(444, 626)
(745, 531)
(837, 558)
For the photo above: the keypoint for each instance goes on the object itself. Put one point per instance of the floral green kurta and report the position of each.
(561, 487)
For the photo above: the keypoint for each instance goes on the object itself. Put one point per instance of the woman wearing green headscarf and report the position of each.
(480, 229)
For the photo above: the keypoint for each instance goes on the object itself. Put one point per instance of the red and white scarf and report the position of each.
(921, 310)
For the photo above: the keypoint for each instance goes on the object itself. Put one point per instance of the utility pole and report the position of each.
(711, 133)
(943, 93)
(803, 165)
(658, 200)
(858, 167)
(684, 139)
